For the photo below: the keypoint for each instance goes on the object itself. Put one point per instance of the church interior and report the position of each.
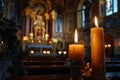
(60, 39)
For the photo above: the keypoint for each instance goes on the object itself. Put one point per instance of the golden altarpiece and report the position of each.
(37, 37)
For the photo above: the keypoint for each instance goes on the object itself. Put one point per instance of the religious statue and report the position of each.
(39, 29)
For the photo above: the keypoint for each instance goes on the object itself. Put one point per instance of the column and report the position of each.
(31, 26)
(10, 10)
(24, 25)
(53, 27)
(54, 15)
(27, 25)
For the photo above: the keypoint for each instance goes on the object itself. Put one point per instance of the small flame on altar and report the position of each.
(76, 36)
(25, 38)
(96, 22)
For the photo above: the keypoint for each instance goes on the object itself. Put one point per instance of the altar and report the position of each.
(41, 50)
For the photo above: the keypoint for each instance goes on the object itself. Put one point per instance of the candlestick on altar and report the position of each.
(31, 36)
(24, 43)
(46, 36)
(98, 52)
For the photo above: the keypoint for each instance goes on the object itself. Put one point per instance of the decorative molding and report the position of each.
(44, 3)
(70, 24)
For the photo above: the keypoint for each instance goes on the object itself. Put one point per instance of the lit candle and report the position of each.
(25, 42)
(76, 51)
(31, 36)
(98, 51)
(46, 36)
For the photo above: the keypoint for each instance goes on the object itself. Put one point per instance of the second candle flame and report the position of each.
(76, 36)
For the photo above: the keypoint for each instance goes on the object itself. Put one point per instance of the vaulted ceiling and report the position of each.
(59, 4)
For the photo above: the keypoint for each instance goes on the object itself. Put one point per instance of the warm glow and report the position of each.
(48, 52)
(46, 16)
(109, 45)
(59, 52)
(118, 44)
(54, 40)
(50, 42)
(76, 36)
(96, 22)
(31, 51)
(25, 38)
(31, 34)
(47, 35)
(44, 52)
(32, 41)
(106, 46)
(65, 52)
(39, 41)
(2, 42)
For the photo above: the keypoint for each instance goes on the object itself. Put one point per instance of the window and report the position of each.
(81, 17)
(111, 7)
(59, 24)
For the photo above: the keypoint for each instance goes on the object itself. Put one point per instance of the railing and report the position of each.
(40, 49)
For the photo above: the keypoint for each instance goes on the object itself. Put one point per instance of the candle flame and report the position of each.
(76, 36)
(25, 38)
(31, 34)
(96, 22)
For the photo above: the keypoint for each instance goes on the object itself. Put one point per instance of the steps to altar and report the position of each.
(50, 68)
(45, 65)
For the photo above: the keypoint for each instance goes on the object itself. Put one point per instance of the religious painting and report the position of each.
(70, 24)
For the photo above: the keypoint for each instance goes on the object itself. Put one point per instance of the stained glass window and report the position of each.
(81, 17)
(111, 7)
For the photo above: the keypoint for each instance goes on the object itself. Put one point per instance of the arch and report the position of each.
(80, 4)
(46, 3)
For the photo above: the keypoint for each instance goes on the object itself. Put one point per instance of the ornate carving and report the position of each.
(44, 4)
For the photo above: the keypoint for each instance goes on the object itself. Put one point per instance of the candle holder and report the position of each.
(80, 70)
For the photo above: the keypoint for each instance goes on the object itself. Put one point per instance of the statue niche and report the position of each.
(39, 28)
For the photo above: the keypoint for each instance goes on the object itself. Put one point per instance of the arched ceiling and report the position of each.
(64, 4)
